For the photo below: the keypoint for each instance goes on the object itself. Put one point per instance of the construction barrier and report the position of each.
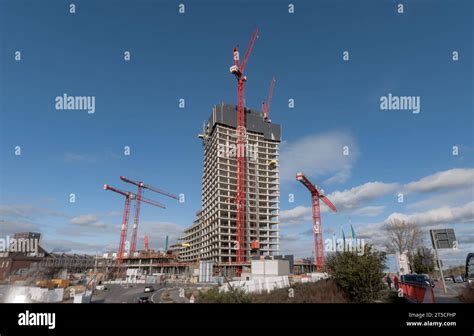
(417, 293)
(258, 284)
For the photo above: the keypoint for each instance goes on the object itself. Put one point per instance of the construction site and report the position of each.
(232, 244)
(196, 164)
(240, 197)
(236, 232)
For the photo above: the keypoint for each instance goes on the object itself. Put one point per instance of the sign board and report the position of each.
(443, 239)
(439, 263)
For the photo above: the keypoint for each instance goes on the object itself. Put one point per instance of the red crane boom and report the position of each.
(139, 198)
(316, 194)
(238, 70)
(266, 106)
(126, 214)
(249, 49)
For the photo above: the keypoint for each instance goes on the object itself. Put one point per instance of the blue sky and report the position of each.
(187, 56)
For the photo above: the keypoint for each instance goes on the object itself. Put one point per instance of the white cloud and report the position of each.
(372, 231)
(352, 198)
(448, 179)
(456, 257)
(341, 176)
(431, 219)
(113, 213)
(69, 246)
(295, 215)
(319, 155)
(440, 199)
(444, 215)
(87, 220)
(157, 232)
(300, 248)
(9, 227)
(369, 211)
(348, 200)
(27, 211)
(289, 237)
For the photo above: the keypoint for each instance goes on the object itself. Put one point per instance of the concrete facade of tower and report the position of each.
(212, 235)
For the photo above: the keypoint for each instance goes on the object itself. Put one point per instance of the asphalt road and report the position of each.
(124, 294)
(453, 290)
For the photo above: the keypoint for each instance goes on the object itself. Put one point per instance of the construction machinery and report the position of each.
(316, 194)
(141, 186)
(238, 69)
(255, 247)
(266, 105)
(145, 241)
(129, 196)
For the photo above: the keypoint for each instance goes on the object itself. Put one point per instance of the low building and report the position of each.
(155, 262)
(21, 253)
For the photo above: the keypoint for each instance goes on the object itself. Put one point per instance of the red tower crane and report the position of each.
(145, 239)
(238, 70)
(316, 194)
(141, 186)
(126, 214)
(266, 106)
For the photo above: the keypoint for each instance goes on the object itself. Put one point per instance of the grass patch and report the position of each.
(323, 291)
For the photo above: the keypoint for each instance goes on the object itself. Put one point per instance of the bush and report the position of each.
(423, 261)
(323, 291)
(359, 275)
(455, 271)
(214, 296)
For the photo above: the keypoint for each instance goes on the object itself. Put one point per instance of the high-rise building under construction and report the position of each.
(213, 234)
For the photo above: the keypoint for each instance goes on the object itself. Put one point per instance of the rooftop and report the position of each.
(226, 114)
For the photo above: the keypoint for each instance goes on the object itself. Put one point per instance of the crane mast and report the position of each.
(141, 185)
(238, 70)
(129, 196)
(316, 194)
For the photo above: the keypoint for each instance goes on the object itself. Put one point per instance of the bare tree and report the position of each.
(402, 236)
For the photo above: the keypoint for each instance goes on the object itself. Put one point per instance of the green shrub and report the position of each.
(359, 275)
(214, 296)
(323, 291)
